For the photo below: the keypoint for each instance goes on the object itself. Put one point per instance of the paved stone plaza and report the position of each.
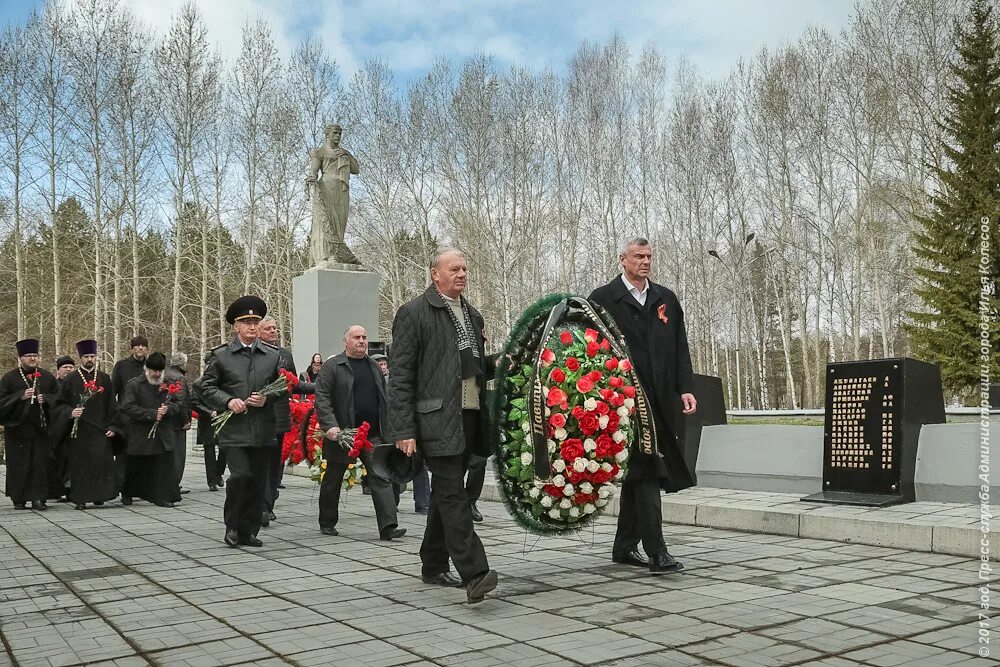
(145, 585)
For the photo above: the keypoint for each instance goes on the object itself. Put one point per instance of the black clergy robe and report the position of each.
(149, 472)
(27, 448)
(93, 475)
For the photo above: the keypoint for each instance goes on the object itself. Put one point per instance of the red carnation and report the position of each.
(571, 450)
(592, 349)
(589, 424)
(548, 356)
(558, 420)
(611, 364)
(590, 336)
(565, 338)
(584, 384)
(573, 364)
(629, 391)
(290, 378)
(615, 381)
(557, 375)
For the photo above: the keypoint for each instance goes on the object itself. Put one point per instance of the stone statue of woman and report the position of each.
(331, 192)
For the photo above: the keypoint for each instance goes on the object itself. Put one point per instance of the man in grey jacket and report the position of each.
(232, 381)
(437, 403)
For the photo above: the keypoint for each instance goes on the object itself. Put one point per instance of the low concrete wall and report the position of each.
(783, 459)
(948, 463)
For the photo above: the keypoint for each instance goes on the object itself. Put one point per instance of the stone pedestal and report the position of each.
(325, 301)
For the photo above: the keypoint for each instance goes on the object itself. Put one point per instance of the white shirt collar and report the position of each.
(636, 292)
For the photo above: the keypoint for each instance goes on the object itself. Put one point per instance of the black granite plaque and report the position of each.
(874, 410)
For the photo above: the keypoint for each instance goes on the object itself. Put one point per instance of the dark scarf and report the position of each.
(468, 350)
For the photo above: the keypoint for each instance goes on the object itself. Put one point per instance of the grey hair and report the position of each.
(436, 259)
(179, 359)
(348, 330)
(268, 318)
(635, 240)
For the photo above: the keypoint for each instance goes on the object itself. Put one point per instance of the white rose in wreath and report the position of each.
(629, 403)
(554, 513)
(580, 464)
(568, 490)
(601, 502)
(619, 436)
(546, 501)
(565, 503)
(526, 459)
(604, 491)
(586, 487)
(622, 411)
(621, 456)
(559, 465)
(603, 421)
(590, 404)
(619, 474)
(552, 446)
(534, 492)
(559, 480)
(560, 434)
(589, 445)
(606, 467)
(589, 508)
(526, 427)
(574, 512)
(593, 466)
(624, 421)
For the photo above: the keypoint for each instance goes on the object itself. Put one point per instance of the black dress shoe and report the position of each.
(477, 589)
(220, 482)
(281, 486)
(664, 563)
(329, 530)
(477, 516)
(631, 558)
(126, 500)
(185, 491)
(422, 510)
(39, 505)
(392, 533)
(167, 504)
(20, 506)
(232, 538)
(213, 487)
(98, 503)
(443, 579)
(265, 520)
(251, 541)
(80, 506)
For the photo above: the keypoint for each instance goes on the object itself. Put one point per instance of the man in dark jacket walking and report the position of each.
(177, 373)
(124, 370)
(652, 321)
(350, 390)
(232, 381)
(437, 403)
(268, 332)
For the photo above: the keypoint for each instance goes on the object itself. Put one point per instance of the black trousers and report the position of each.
(274, 467)
(180, 455)
(475, 478)
(330, 489)
(215, 465)
(28, 462)
(640, 518)
(450, 531)
(246, 488)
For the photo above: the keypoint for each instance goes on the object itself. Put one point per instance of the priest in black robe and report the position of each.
(150, 473)
(89, 452)
(25, 395)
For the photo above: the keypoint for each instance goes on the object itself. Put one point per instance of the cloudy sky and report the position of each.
(410, 34)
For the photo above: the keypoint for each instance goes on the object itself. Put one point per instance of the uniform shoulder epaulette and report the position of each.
(273, 347)
(218, 348)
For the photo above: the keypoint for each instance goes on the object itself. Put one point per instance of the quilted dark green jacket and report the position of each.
(425, 384)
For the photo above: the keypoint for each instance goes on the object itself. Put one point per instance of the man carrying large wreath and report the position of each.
(652, 321)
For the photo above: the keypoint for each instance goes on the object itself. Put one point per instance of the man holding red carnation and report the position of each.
(24, 413)
(87, 399)
(652, 321)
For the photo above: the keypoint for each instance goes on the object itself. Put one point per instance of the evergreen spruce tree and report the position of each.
(948, 240)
